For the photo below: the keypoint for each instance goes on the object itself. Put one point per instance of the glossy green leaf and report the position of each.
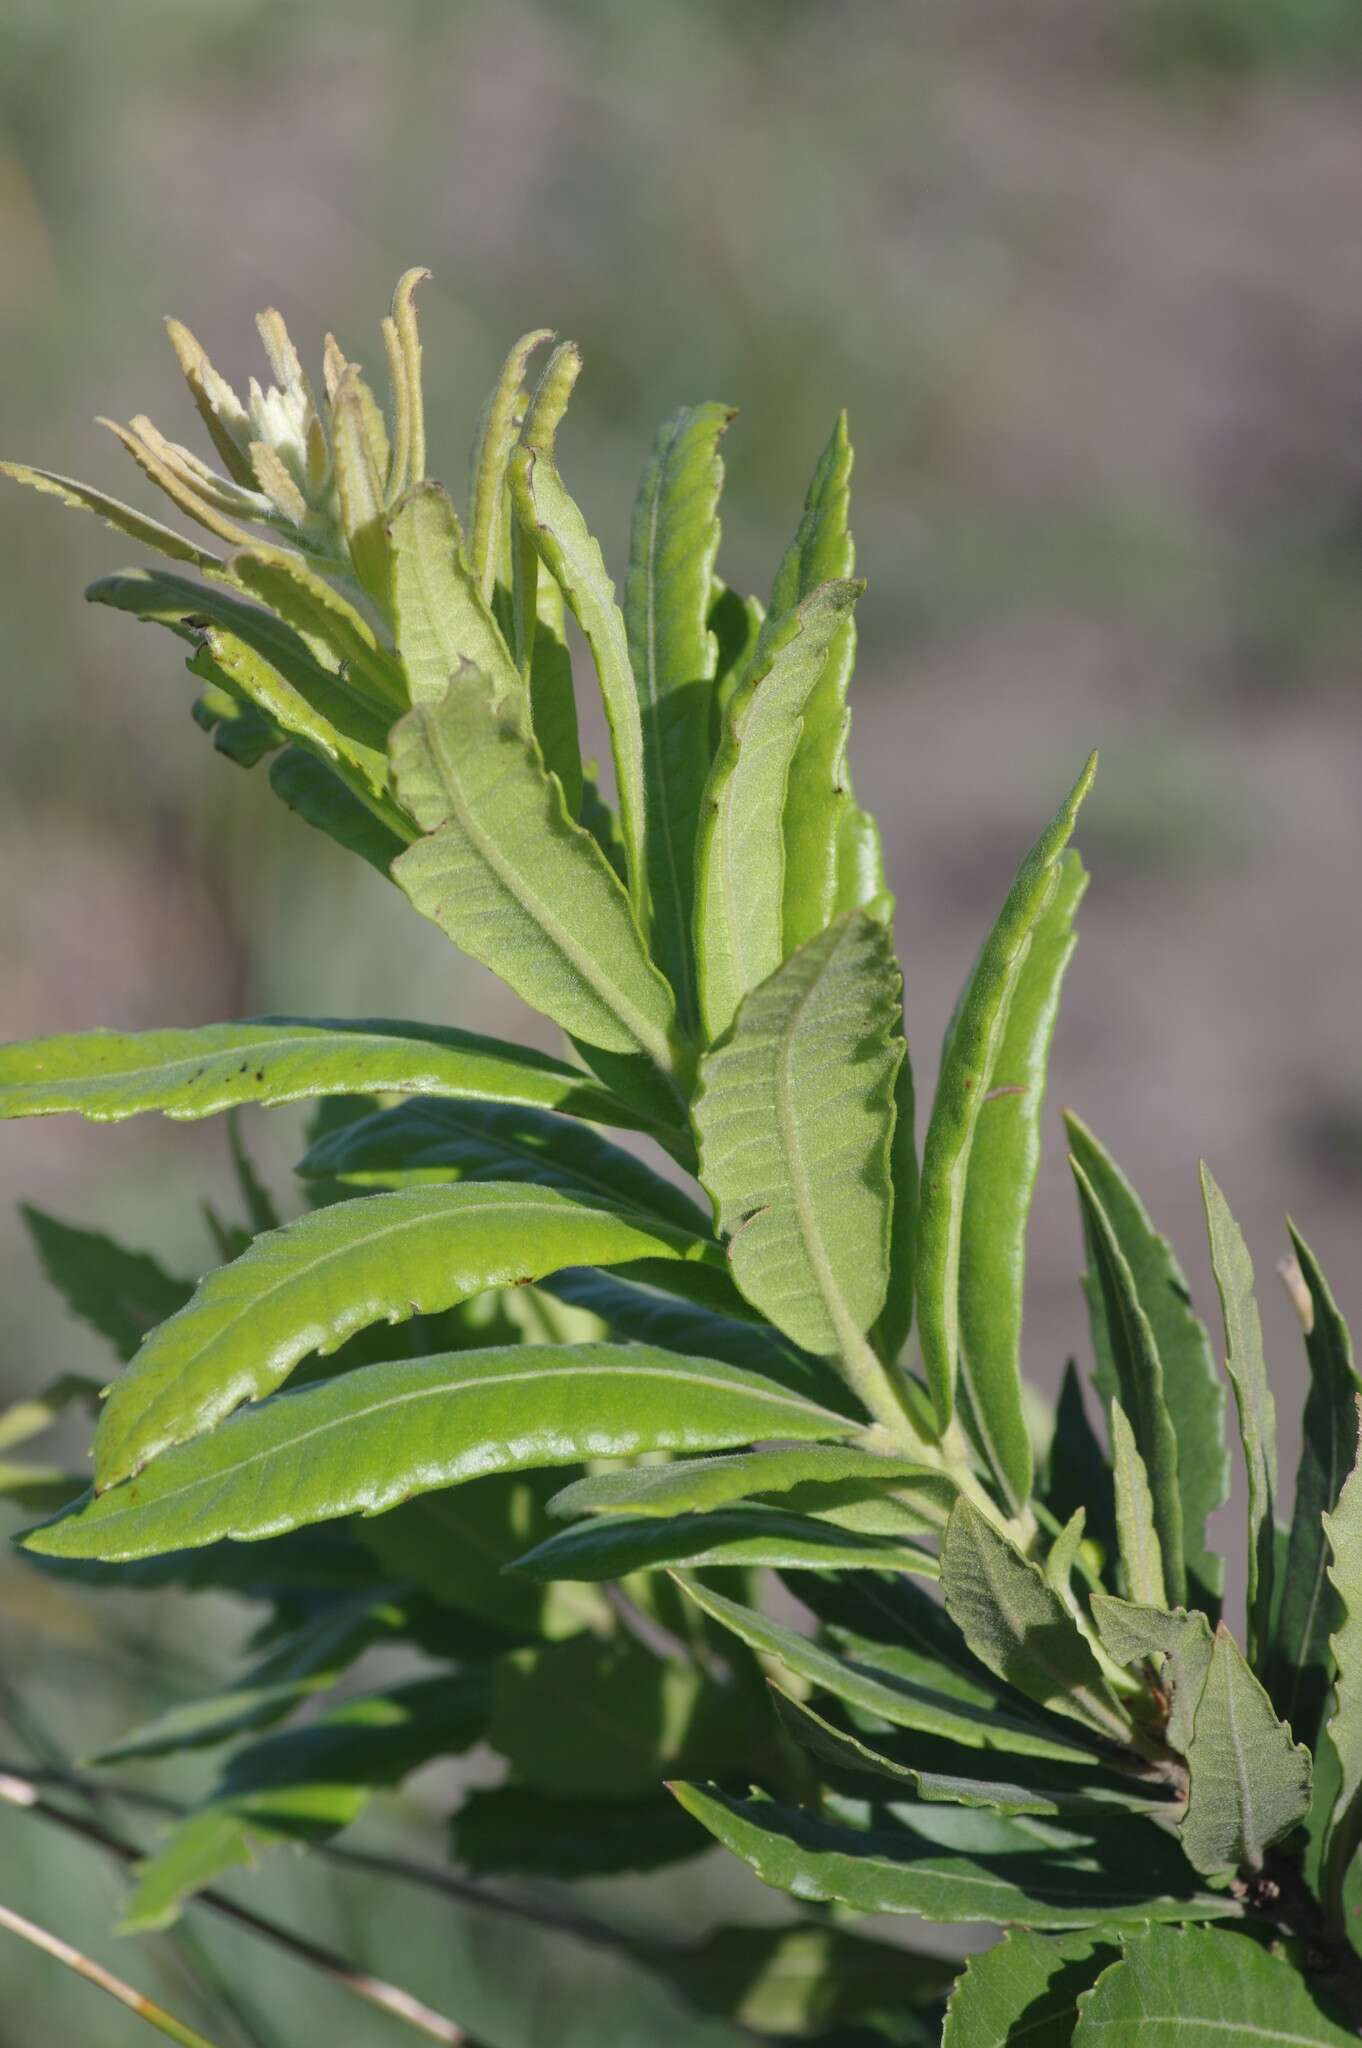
(1026, 1988)
(810, 1980)
(1205, 1990)
(119, 1293)
(1247, 1368)
(969, 1059)
(427, 1142)
(514, 881)
(122, 518)
(1248, 1782)
(322, 800)
(442, 620)
(697, 1485)
(1003, 1162)
(819, 795)
(1300, 1669)
(898, 1872)
(317, 1281)
(795, 1118)
(1193, 1390)
(740, 886)
(1140, 1382)
(1141, 1558)
(1342, 1833)
(1135, 1635)
(975, 1722)
(1019, 1627)
(372, 1438)
(753, 1537)
(516, 1831)
(672, 653)
(573, 558)
(109, 1075)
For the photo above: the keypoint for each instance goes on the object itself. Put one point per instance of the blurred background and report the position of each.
(1087, 274)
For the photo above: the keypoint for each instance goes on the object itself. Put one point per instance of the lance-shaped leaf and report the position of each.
(359, 446)
(573, 558)
(1343, 1830)
(1019, 1627)
(514, 881)
(498, 430)
(553, 701)
(813, 1473)
(1247, 1368)
(441, 619)
(1248, 1782)
(1079, 1475)
(338, 634)
(306, 703)
(740, 885)
(1139, 1380)
(319, 797)
(1193, 1390)
(199, 1071)
(673, 655)
(121, 1294)
(931, 1705)
(1141, 1558)
(1205, 1990)
(944, 1773)
(124, 519)
(795, 1118)
(895, 1320)
(427, 1142)
(967, 1069)
(329, 1274)
(1003, 1163)
(1025, 1988)
(1307, 1613)
(1134, 1634)
(900, 1872)
(752, 1537)
(372, 1438)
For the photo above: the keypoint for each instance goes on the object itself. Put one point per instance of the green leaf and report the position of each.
(900, 1872)
(741, 856)
(807, 1980)
(426, 1142)
(1343, 1829)
(498, 430)
(1141, 1559)
(370, 1439)
(969, 1059)
(359, 449)
(976, 1721)
(122, 518)
(512, 880)
(513, 1831)
(736, 624)
(239, 730)
(672, 653)
(1204, 1990)
(942, 1772)
(1019, 1627)
(306, 703)
(1248, 1782)
(119, 1293)
(321, 1278)
(819, 797)
(1193, 1390)
(1139, 1380)
(1133, 1634)
(1300, 1668)
(1026, 1988)
(1247, 1369)
(443, 622)
(553, 701)
(338, 634)
(895, 1320)
(794, 1118)
(1078, 1474)
(697, 1485)
(109, 1075)
(573, 558)
(1001, 1178)
(607, 1720)
(322, 800)
(751, 1537)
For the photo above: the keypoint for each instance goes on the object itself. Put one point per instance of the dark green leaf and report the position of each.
(513, 1831)
(1248, 1782)
(1205, 1990)
(696, 1485)
(322, 800)
(1027, 1988)
(121, 1294)
(1134, 1635)
(753, 1536)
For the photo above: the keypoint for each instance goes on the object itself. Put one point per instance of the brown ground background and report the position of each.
(1088, 275)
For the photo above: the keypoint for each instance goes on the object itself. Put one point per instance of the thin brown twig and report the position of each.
(94, 1973)
(21, 1791)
